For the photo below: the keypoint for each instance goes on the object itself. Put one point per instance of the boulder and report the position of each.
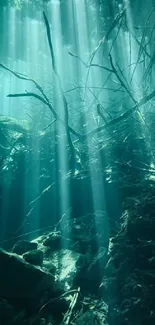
(23, 246)
(53, 240)
(91, 318)
(62, 263)
(34, 257)
(22, 281)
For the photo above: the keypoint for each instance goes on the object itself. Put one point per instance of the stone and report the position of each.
(21, 281)
(90, 318)
(23, 246)
(53, 240)
(62, 263)
(34, 257)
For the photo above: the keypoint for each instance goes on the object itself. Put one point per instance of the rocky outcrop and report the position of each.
(129, 282)
(52, 284)
(34, 257)
(23, 246)
(21, 280)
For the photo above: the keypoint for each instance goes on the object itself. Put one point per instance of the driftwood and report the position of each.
(68, 315)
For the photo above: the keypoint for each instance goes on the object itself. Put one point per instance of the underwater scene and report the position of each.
(77, 162)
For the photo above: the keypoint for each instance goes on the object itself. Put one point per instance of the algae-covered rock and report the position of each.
(23, 246)
(62, 263)
(20, 280)
(90, 318)
(89, 271)
(34, 257)
(53, 240)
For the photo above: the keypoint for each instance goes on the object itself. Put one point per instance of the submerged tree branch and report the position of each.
(24, 77)
(44, 99)
(50, 42)
(30, 94)
(68, 315)
(100, 113)
(115, 22)
(129, 112)
(120, 80)
(114, 121)
(90, 65)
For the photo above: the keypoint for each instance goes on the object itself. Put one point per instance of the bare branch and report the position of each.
(120, 80)
(30, 94)
(100, 113)
(90, 65)
(50, 42)
(119, 28)
(24, 77)
(47, 126)
(140, 44)
(100, 66)
(115, 22)
(78, 57)
(129, 112)
(114, 121)
(94, 87)
(68, 315)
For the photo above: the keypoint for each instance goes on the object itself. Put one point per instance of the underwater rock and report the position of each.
(94, 312)
(44, 292)
(108, 285)
(141, 228)
(20, 280)
(52, 269)
(23, 246)
(84, 235)
(34, 257)
(89, 271)
(53, 240)
(62, 263)
(11, 124)
(90, 318)
(53, 312)
(7, 312)
(132, 263)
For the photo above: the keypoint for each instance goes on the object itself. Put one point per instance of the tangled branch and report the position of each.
(42, 97)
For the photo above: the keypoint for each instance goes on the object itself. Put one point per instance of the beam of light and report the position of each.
(34, 70)
(95, 77)
(63, 162)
